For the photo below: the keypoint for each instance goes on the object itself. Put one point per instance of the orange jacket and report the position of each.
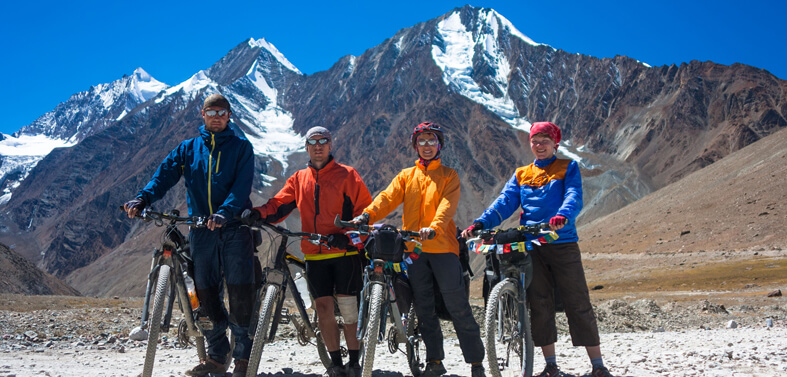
(319, 195)
(429, 196)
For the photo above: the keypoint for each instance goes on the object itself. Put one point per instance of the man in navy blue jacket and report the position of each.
(550, 191)
(218, 168)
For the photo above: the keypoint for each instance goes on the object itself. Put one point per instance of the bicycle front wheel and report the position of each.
(509, 350)
(271, 298)
(372, 330)
(154, 324)
(416, 350)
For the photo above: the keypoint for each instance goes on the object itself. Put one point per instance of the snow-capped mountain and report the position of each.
(633, 127)
(84, 114)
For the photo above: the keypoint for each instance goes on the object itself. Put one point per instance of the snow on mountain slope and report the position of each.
(455, 58)
(18, 155)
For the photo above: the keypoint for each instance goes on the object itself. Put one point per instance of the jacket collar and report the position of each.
(219, 138)
(330, 164)
(433, 164)
(543, 163)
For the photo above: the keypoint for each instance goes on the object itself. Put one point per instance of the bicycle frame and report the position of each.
(277, 281)
(166, 278)
(500, 305)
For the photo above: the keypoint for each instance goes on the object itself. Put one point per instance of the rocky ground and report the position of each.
(678, 334)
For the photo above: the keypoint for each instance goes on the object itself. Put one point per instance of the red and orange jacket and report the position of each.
(319, 195)
(429, 196)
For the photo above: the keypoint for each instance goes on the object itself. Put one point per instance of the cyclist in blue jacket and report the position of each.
(550, 191)
(218, 168)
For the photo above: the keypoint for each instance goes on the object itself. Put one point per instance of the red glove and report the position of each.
(557, 221)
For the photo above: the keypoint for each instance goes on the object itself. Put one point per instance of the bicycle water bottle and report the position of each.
(303, 290)
(190, 288)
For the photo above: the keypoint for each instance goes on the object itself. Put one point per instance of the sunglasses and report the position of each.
(322, 141)
(432, 142)
(213, 113)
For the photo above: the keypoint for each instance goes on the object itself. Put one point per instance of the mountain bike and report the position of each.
(169, 280)
(379, 300)
(277, 280)
(509, 342)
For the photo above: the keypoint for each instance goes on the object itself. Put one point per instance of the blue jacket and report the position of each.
(218, 170)
(543, 189)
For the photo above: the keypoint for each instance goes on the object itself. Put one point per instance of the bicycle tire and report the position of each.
(416, 350)
(154, 324)
(372, 330)
(272, 294)
(508, 352)
(322, 350)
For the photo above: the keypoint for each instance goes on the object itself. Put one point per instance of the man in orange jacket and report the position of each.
(321, 191)
(429, 193)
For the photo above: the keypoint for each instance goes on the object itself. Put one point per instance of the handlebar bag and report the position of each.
(386, 244)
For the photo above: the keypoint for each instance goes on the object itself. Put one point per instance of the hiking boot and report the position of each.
(551, 370)
(241, 366)
(477, 370)
(205, 368)
(433, 369)
(600, 372)
(353, 370)
(335, 371)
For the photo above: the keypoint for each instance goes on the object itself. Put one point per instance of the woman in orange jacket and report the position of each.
(429, 193)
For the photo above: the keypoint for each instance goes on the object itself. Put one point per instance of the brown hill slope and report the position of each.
(19, 275)
(721, 227)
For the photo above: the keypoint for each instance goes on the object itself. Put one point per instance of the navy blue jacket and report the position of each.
(218, 170)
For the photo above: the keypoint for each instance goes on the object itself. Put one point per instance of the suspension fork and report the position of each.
(154, 267)
(521, 301)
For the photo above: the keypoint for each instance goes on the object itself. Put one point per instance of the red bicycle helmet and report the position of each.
(427, 127)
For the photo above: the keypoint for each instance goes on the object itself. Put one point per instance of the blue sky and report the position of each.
(55, 49)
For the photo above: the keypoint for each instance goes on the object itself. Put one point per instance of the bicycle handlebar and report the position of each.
(159, 217)
(409, 235)
(312, 237)
(487, 234)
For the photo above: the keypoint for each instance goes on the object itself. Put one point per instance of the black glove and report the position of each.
(338, 241)
(509, 236)
(217, 218)
(362, 219)
(250, 216)
(136, 203)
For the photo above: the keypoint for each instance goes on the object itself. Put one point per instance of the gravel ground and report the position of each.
(640, 337)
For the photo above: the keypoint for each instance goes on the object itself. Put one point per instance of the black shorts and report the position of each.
(342, 275)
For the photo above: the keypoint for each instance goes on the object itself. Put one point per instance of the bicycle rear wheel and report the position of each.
(416, 350)
(322, 350)
(372, 330)
(271, 298)
(509, 350)
(154, 324)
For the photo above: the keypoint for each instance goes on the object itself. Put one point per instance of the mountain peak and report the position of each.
(262, 43)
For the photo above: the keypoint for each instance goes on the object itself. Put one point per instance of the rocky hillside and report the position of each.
(20, 276)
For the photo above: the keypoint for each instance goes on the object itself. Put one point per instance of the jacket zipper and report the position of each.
(210, 171)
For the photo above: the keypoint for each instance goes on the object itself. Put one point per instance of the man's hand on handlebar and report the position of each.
(216, 220)
(134, 207)
(250, 217)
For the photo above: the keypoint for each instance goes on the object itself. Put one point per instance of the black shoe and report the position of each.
(241, 366)
(353, 370)
(477, 370)
(335, 371)
(600, 372)
(551, 370)
(208, 367)
(433, 369)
